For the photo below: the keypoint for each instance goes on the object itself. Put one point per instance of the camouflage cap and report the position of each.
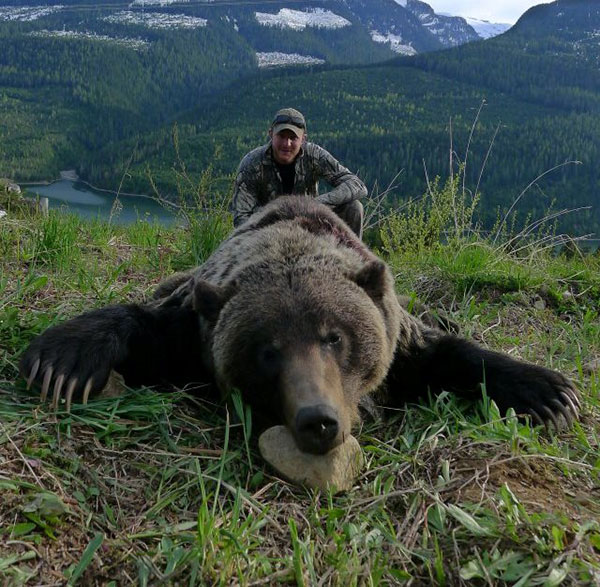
(289, 119)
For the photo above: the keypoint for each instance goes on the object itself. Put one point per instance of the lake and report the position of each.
(79, 198)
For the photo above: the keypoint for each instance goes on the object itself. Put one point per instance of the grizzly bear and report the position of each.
(299, 315)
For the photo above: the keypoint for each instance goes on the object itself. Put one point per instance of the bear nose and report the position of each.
(316, 428)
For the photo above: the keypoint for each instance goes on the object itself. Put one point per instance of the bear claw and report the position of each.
(574, 395)
(86, 391)
(57, 389)
(33, 373)
(564, 410)
(567, 398)
(69, 396)
(550, 416)
(537, 420)
(46, 383)
(59, 385)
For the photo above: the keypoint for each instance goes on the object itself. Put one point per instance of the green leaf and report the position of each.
(35, 518)
(471, 570)
(13, 559)
(38, 283)
(558, 535)
(400, 575)
(468, 521)
(46, 505)
(86, 557)
(556, 576)
(8, 486)
(22, 529)
(79, 496)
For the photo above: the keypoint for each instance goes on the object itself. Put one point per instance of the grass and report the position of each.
(165, 488)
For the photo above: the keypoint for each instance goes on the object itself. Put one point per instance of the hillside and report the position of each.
(75, 77)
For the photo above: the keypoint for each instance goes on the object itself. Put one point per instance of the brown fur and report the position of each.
(282, 284)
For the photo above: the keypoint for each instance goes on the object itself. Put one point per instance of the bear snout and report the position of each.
(317, 429)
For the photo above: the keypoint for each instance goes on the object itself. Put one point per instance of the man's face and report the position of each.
(286, 146)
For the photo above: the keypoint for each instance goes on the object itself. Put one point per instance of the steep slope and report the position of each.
(450, 30)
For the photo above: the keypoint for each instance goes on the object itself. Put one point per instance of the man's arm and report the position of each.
(346, 185)
(244, 200)
(245, 191)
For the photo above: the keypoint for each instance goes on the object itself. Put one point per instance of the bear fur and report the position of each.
(299, 315)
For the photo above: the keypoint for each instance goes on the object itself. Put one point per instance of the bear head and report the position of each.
(303, 335)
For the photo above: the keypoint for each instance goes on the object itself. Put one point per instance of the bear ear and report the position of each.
(208, 300)
(372, 278)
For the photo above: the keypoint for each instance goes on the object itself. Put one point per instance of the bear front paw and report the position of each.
(64, 368)
(563, 401)
(546, 396)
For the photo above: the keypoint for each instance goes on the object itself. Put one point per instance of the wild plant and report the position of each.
(203, 209)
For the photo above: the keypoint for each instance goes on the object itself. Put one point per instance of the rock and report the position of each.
(115, 386)
(337, 469)
(10, 186)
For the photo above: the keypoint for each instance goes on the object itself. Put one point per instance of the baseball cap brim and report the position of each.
(299, 132)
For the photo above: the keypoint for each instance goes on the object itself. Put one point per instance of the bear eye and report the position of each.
(268, 360)
(332, 339)
(268, 354)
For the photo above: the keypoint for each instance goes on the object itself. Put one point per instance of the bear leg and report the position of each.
(145, 344)
(446, 362)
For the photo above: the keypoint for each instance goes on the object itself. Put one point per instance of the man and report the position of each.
(288, 164)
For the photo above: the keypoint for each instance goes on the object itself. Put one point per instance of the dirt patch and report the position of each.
(536, 481)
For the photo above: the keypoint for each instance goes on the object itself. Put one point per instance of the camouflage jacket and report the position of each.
(258, 180)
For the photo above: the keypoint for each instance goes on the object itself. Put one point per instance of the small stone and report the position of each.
(539, 303)
(336, 470)
(115, 386)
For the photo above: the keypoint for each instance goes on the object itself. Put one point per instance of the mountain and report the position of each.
(573, 24)
(135, 65)
(565, 18)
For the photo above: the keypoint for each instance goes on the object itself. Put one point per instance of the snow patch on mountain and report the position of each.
(277, 59)
(130, 43)
(27, 13)
(298, 20)
(157, 20)
(395, 41)
(157, 2)
(486, 29)
(401, 2)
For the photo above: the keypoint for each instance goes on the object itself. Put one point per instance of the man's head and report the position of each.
(287, 132)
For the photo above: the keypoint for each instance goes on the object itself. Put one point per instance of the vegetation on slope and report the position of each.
(386, 121)
(159, 487)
